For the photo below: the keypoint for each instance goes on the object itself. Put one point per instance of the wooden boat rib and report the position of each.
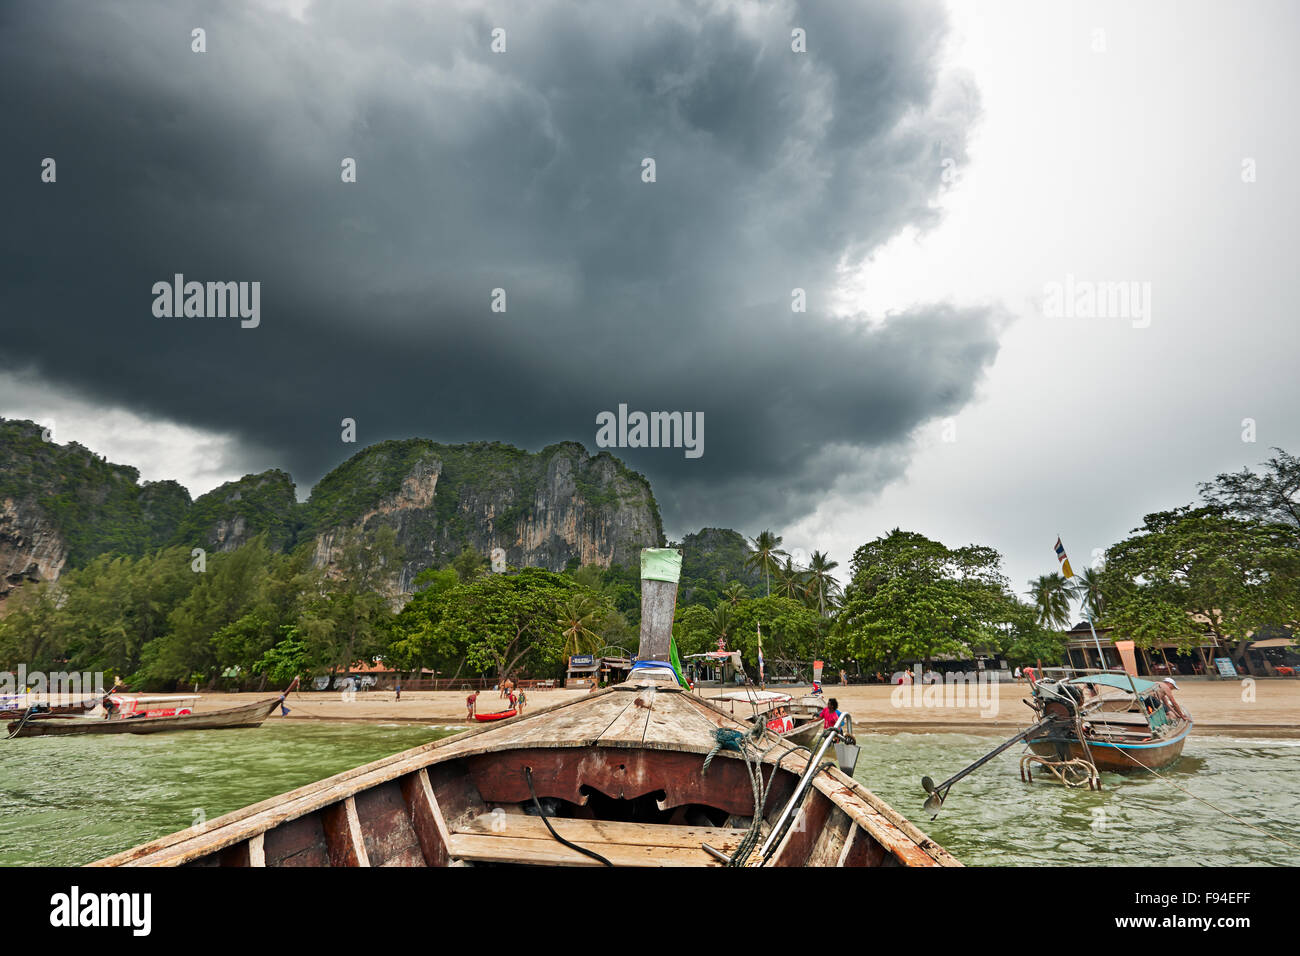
(58, 725)
(619, 772)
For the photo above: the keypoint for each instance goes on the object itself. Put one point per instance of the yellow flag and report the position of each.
(1065, 566)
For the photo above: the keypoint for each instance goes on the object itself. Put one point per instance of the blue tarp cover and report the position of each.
(1115, 680)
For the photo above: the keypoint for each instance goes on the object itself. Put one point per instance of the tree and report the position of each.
(911, 598)
(823, 584)
(469, 564)
(1192, 570)
(1051, 594)
(579, 614)
(790, 581)
(767, 548)
(1089, 589)
(1272, 497)
(506, 623)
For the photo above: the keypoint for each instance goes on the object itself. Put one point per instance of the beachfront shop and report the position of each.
(610, 666)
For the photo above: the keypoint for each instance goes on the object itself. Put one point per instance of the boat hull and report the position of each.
(1113, 756)
(246, 715)
(620, 772)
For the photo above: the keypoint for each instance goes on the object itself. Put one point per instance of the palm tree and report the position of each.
(767, 548)
(721, 623)
(578, 615)
(820, 567)
(790, 581)
(1051, 594)
(1087, 588)
(733, 593)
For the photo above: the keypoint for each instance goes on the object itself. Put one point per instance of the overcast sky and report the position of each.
(924, 172)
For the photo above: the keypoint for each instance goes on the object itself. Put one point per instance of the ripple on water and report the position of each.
(992, 818)
(70, 800)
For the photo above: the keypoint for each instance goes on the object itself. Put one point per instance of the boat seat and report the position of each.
(521, 838)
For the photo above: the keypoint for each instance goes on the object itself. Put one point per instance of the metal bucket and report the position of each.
(846, 755)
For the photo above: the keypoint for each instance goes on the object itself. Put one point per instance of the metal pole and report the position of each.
(782, 822)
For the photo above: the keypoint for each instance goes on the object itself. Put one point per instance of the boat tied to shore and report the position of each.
(642, 773)
(143, 715)
(1088, 721)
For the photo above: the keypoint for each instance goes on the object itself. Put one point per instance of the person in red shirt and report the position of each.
(830, 713)
(470, 701)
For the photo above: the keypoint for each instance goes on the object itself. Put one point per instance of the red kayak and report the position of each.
(499, 715)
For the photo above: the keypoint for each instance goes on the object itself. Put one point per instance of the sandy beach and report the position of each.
(1263, 708)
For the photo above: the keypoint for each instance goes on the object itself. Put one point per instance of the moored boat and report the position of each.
(1098, 721)
(644, 773)
(144, 722)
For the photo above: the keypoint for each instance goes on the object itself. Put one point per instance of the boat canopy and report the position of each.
(760, 696)
(1121, 681)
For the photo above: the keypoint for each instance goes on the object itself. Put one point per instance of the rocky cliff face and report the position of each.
(62, 505)
(31, 548)
(227, 517)
(538, 510)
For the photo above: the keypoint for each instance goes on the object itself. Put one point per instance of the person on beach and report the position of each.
(1166, 696)
(399, 691)
(523, 699)
(1020, 678)
(470, 702)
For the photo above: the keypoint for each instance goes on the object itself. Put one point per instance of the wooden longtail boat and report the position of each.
(56, 725)
(1100, 721)
(628, 776)
(1126, 731)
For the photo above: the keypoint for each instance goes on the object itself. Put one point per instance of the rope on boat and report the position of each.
(1271, 836)
(727, 739)
(528, 772)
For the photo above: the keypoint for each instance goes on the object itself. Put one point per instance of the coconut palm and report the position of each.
(1051, 594)
(1087, 588)
(822, 584)
(791, 582)
(767, 548)
(721, 622)
(733, 593)
(578, 616)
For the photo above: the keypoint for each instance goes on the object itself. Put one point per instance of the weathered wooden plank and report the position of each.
(426, 818)
(628, 728)
(550, 852)
(601, 832)
(390, 839)
(343, 834)
(580, 726)
(299, 842)
(675, 724)
(798, 842)
(658, 604)
(257, 851)
(830, 842)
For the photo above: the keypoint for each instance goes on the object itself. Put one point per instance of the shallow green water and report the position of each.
(994, 819)
(75, 799)
(71, 800)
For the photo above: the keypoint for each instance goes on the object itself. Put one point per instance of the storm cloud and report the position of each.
(476, 170)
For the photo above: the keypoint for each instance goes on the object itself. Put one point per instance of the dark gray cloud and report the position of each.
(475, 171)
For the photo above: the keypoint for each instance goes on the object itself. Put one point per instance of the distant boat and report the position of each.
(145, 722)
(643, 773)
(498, 715)
(1096, 721)
(1126, 731)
